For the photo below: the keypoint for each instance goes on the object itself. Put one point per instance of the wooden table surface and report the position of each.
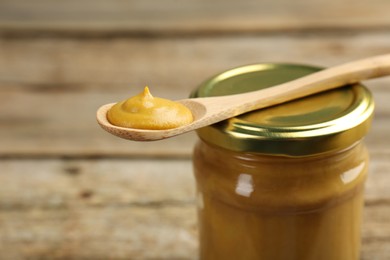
(71, 191)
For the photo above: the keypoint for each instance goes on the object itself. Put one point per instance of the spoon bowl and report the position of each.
(210, 110)
(146, 134)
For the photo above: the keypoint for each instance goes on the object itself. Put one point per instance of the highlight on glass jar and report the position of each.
(284, 182)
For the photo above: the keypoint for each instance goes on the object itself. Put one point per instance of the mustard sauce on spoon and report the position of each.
(144, 111)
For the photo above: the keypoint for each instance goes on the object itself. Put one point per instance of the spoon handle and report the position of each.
(348, 73)
(333, 77)
(210, 110)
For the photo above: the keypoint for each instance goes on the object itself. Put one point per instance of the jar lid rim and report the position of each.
(319, 123)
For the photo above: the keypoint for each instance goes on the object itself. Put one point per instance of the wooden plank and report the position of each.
(148, 17)
(61, 184)
(173, 63)
(99, 233)
(133, 233)
(53, 184)
(51, 88)
(64, 124)
(128, 209)
(97, 209)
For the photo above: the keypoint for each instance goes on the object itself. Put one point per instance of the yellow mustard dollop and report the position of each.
(144, 111)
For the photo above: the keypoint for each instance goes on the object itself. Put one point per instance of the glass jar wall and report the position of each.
(255, 206)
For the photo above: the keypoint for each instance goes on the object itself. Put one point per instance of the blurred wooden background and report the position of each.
(68, 190)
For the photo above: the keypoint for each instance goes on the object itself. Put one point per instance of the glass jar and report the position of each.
(284, 182)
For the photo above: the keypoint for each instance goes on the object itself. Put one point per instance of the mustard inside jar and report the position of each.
(285, 182)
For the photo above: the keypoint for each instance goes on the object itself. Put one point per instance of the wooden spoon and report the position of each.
(210, 110)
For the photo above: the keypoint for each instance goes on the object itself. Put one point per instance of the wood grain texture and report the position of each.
(115, 209)
(100, 233)
(147, 17)
(133, 233)
(173, 63)
(97, 209)
(63, 183)
(210, 110)
(72, 75)
(64, 132)
(71, 191)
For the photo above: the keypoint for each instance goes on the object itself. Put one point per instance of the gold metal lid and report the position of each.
(316, 124)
